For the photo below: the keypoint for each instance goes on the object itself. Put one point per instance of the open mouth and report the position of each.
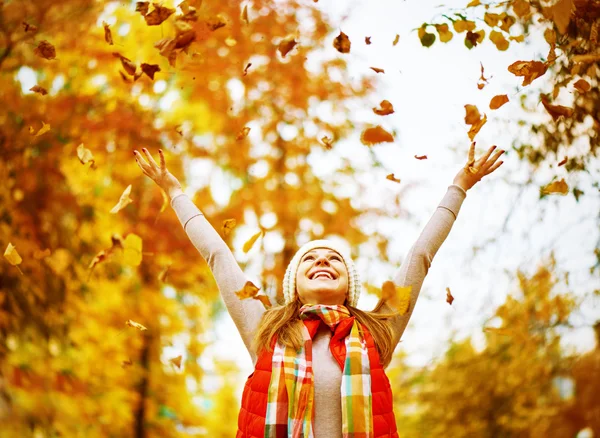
(322, 275)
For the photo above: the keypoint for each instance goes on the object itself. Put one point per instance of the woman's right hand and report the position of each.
(159, 174)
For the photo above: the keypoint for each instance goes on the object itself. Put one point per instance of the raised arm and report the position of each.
(420, 256)
(246, 314)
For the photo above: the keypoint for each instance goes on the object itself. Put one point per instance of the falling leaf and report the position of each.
(498, 331)
(264, 299)
(135, 325)
(107, 33)
(375, 135)
(561, 15)
(556, 187)
(427, 39)
(499, 40)
(158, 15)
(228, 226)
(29, 27)
(245, 15)
(563, 162)
(126, 363)
(38, 89)
(162, 275)
(342, 43)
(246, 68)
(142, 7)
(522, 8)
(166, 48)
(45, 50)
(286, 45)
(396, 40)
(216, 22)
(176, 361)
(385, 108)
(150, 69)
(474, 3)
(517, 38)
(530, 70)
(582, 86)
(556, 111)
(328, 142)
(498, 101)
(463, 25)
(449, 297)
(377, 70)
(398, 297)
(12, 255)
(129, 66)
(391, 177)
(45, 128)
(85, 156)
(472, 114)
(132, 250)
(444, 31)
(250, 243)
(482, 79)
(368, 40)
(123, 201)
(476, 127)
(422, 157)
(99, 258)
(243, 133)
(248, 291)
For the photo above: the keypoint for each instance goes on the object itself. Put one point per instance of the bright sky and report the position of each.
(429, 88)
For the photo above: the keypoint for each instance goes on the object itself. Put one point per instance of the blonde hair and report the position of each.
(284, 322)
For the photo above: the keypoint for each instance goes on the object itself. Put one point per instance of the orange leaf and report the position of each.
(391, 177)
(482, 79)
(158, 15)
(556, 111)
(248, 291)
(422, 157)
(473, 115)
(398, 297)
(498, 101)
(558, 187)
(245, 15)
(377, 70)
(45, 128)
(243, 133)
(561, 14)
(476, 127)
(38, 89)
(386, 108)
(449, 297)
(286, 45)
(228, 226)
(582, 86)
(375, 135)
(107, 33)
(176, 361)
(530, 70)
(150, 69)
(342, 43)
(45, 50)
(264, 300)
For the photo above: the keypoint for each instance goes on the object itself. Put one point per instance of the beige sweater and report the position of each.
(246, 314)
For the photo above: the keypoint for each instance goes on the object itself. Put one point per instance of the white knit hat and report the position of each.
(289, 280)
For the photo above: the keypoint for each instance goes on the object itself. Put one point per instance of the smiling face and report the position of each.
(322, 277)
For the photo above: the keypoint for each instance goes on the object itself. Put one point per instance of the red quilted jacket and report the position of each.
(251, 419)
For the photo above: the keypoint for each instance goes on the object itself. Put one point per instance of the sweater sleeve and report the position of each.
(247, 313)
(420, 256)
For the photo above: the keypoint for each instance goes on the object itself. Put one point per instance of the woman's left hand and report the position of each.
(473, 171)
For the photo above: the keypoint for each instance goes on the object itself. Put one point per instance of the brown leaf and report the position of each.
(582, 86)
(368, 40)
(530, 70)
(482, 79)
(342, 43)
(328, 142)
(286, 45)
(38, 89)
(126, 363)
(472, 114)
(371, 136)
(248, 291)
(391, 177)
(45, 50)
(129, 66)
(216, 22)
(29, 27)
(498, 101)
(386, 108)
(150, 69)
(246, 68)
(107, 33)
(176, 361)
(142, 7)
(422, 157)
(556, 111)
(377, 70)
(561, 15)
(245, 15)
(563, 162)
(158, 14)
(243, 133)
(166, 48)
(449, 297)
(99, 258)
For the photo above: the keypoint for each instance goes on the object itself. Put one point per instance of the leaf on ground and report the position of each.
(124, 200)
(342, 43)
(250, 243)
(385, 108)
(377, 134)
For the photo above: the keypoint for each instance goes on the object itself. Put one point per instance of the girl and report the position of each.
(319, 361)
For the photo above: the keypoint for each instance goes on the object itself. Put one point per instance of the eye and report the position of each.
(308, 257)
(337, 258)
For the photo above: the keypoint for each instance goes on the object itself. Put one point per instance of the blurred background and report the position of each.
(111, 324)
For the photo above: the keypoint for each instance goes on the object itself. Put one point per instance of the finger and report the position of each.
(472, 154)
(139, 159)
(150, 159)
(142, 166)
(163, 164)
(491, 161)
(494, 167)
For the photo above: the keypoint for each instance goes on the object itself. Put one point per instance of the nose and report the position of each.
(322, 260)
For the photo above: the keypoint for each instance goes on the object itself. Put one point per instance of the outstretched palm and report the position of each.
(473, 171)
(159, 174)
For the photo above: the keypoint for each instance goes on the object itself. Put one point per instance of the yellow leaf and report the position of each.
(398, 297)
(498, 331)
(391, 177)
(135, 325)
(132, 250)
(328, 142)
(474, 3)
(472, 114)
(176, 361)
(530, 70)
(165, 201)
(85, 156)
(228, 226)
(12, 255)
(444, 32)
(463, 25)
(396, 40)
(498, 39)
(248, 291)
(558, 187)
(45, 128)
(162, 275)
(250, 243)
(124, 201)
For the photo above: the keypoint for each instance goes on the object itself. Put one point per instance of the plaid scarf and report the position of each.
(292, 374)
